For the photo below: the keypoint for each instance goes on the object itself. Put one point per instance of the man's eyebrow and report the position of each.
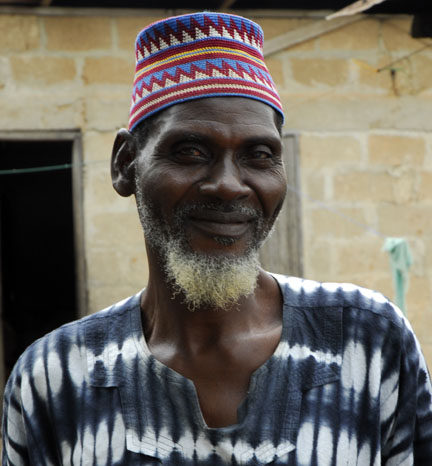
(185, 135)
(197, 136)
(264, 139)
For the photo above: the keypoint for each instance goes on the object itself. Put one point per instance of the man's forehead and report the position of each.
(229, 116)
(221, 108)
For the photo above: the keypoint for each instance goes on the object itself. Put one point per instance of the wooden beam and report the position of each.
(46, 2)
(297, 36)
(226, 4)
(354, 8)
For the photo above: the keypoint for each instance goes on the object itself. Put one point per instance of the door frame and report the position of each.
(75, 137)
(283, 251)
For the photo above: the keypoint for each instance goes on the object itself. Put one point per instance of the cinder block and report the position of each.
(396, 35)
(5, 75)
(42, 71)
(313, 184)
(326, 224)
(275, 66)
(392, 150)
(418, 296)
(77, 33)
(274, 27)
(31, 110)
(113, 229)
(404, 187)
(419, 308)
(129, 27)
(362, 35)
(108, 111)
(400, 220)
(368, 74)
(423, 71)
(108, 70)
(363, 256)
(399, 79)
(313, 71)
(19, 33)
(359, 186)
(425, 189)
(316, 111)
(97, 146)
(318, 260)
(329, 151)
(103, 296)
(99, 192)
(120, 267)
(428, 252)
(103, 267)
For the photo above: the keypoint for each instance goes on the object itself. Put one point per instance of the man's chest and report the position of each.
(294, 432)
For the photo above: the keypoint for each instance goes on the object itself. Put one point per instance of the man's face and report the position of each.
(211, 172)
(210, 181)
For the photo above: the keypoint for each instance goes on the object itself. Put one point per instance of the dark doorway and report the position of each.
(37, 252)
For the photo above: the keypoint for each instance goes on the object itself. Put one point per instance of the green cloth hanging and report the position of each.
(400, 262)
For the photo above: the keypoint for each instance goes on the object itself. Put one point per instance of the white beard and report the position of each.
(211, 280)
(204, 280)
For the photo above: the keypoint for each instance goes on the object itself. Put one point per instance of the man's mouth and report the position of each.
(216, 223)
(220, 220)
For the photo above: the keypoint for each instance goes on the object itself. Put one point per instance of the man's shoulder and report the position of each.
(79, 334)
(304, 293)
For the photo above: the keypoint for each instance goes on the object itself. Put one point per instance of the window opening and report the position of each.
(37, 246)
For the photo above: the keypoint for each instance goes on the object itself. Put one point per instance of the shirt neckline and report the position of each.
(177, 378)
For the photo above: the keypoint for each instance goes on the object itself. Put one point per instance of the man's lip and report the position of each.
(215, 223)
(221, 217)
(212, 228)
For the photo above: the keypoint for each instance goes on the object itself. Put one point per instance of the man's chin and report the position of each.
(211, 280)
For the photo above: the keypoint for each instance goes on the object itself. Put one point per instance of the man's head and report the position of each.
(208, 179)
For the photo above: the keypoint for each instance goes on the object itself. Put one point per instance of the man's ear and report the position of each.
(123, 163)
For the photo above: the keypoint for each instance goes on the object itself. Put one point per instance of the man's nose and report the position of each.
(225, 181)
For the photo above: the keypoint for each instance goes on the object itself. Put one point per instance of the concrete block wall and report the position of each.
(366, 153)
(365, 144)
(76, 72)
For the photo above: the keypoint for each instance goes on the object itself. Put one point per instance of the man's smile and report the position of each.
(222, 221)
(221, 225)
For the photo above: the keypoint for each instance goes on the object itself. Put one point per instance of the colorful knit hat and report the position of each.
(199, 55)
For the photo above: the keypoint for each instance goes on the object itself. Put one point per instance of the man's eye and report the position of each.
(192, 152)
(261, 155)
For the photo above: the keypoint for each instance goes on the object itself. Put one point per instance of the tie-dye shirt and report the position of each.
(347, 385)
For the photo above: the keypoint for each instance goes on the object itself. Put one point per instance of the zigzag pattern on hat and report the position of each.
(202, 69)
(199, 55)
(184, 29)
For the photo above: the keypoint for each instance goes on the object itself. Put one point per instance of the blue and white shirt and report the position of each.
(347, 385)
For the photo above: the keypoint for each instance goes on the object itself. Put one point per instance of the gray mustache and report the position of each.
(226, 207)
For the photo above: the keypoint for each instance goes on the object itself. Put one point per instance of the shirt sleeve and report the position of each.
(407, 410)
(28, 433)
(15, 451)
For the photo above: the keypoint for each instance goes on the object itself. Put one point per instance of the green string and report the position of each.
(50, 168)
(400, 262)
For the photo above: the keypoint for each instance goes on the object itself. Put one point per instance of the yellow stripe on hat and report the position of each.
(195, 53)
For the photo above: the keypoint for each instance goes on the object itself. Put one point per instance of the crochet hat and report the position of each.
(199, 55)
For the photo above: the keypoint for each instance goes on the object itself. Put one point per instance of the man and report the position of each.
(217, 362)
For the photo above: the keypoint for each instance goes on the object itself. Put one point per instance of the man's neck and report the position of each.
(217, 349)
(168, 321)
